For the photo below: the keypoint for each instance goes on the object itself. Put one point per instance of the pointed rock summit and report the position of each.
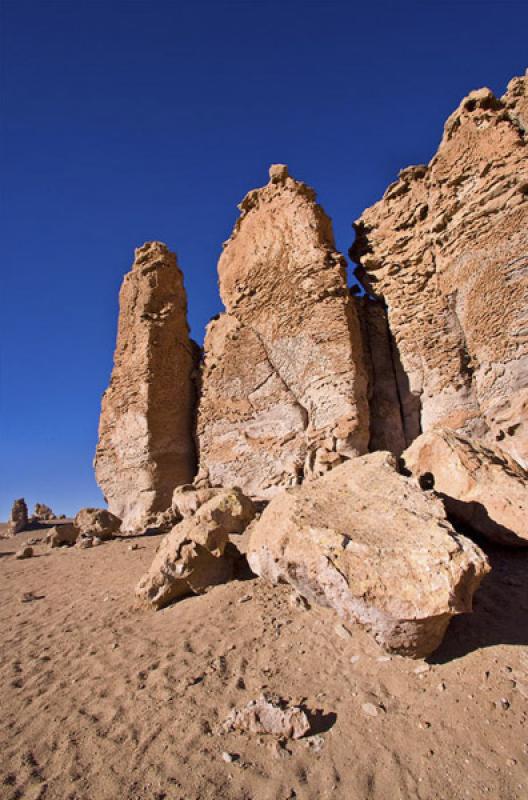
(446, 250)
(146, 445)
(284, 385)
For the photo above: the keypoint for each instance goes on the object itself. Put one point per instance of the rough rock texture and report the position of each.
(97, 522)
(369, 543)
(267, 716)
(186, 500)
(146, 445)
(284, 388)
(193, 557)
(19, 517)
(43, 512)
(447, 251)
(480, 486)
(62, 534)
(24, 552)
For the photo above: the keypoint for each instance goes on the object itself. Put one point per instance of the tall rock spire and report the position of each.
(284, 386)
(446, 249)
(146, 445)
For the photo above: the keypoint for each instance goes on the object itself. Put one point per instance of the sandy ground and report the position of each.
(102, 700)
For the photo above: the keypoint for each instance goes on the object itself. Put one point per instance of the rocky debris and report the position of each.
(65, 534)
(160, 521)
(481, 486)
(369, 543)
(24, 552)
(85, 541)
(146, 445)
(97, 522)
(269, 716)
(283, 384)
(43, 512)
(446, 251)
(19, 517)
(188, 499)
(193, 557)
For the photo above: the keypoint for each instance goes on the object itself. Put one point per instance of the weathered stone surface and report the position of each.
(97, 522)
(186, 500)
(66, 533)
(192, 557)
(146, 445)
(480, 486)
(284, 387)
(19, 517)
(369, 543)
(267, 716)
(24, 552)
(43, 512)
(446, 249)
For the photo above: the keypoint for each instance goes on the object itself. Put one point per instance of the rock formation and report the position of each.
(146, 445)
(284, 386)
(192, 557)
(43, 512)
(65, 534)
(480, 486)
(446, 250)
(19, 517)
(369, 543)
(97, 522)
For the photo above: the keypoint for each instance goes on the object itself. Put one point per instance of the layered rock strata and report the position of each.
(284, 386)
(481, 486)
(146, 444)
(369, 543)
(446, 250)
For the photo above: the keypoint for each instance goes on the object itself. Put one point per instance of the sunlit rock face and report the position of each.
(146, 445)
(283, 385)
(446, 250)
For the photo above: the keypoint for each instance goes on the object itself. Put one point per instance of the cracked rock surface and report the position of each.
(283, 386)
(446, 249)
(146, 445)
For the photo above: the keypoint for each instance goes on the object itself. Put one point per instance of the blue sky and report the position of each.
(130, 120)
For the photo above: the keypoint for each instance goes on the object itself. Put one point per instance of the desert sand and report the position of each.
(102, 699)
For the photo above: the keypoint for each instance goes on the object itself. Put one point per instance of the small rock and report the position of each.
(384, 658)
(228, 757)
(28, 597)
(354, 659)
(419, 670)
(370, 709)
(133, 546)
(245, 598)
(24, 552)
(315, 743)
(270, 716)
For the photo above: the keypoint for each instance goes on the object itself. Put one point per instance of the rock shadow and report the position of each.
(500, 607)
(319, 721)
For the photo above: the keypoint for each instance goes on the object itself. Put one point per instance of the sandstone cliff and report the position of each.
(284, 387)
(446, 250)
(146, 445)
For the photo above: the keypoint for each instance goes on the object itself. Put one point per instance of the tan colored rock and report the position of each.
(192, 557)
(268, 716)
(146, 445)
(186, 500)
(446, 250)
(369, 543)
(480, 486)
(97, 522)
(65, 534)
(24, 552)
(284, 387)
(43, 512)
(19, 517)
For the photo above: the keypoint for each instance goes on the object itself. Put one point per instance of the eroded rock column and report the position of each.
(146, 445)
(284, 387)
(447, 251)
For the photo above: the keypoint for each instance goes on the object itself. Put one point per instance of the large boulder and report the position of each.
(369, 543)
(65, 534)
(192, 557)
(446, 250)
(19, 517)
(284, 392)
(43, 513)
(146, 444)
(480, 486)
(186, 500)
(97, 522)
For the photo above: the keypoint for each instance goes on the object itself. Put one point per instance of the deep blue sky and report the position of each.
(130, 120)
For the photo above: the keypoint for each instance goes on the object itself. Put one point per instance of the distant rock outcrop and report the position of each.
(19, 517)
(446, 250)
(43, 513)
(284, 383)
(146, 445)
(370, 544)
